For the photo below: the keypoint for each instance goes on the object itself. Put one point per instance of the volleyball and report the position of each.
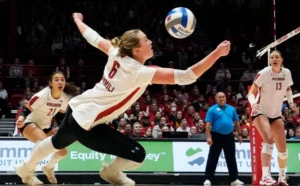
(180, 22)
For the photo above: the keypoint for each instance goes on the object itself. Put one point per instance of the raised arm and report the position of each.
(90, 35)
(190, 75)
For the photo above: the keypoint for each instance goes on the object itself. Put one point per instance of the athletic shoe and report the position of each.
(50, 175)
(207, 183)
(267, 180)
(237, 182)
(37, 181)
(25, 174)
(115, 178)
(282, 181)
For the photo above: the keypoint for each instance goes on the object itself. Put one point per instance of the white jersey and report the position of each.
(272, 90)
(45, 107)
(124, 81)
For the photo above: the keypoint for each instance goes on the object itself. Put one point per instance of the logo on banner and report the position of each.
(195, 152)
(15, 152)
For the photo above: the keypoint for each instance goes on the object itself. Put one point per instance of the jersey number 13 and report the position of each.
(278, 85)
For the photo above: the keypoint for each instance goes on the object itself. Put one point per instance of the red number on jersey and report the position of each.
(51, 112)
(114, 69)
(278, 85)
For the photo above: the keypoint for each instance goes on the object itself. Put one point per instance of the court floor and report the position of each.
(136, 185)
(111, 185)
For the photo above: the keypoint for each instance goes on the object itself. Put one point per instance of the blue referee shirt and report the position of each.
(222, 118)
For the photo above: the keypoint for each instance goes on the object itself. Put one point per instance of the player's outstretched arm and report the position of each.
(90, 35)
(190, 75)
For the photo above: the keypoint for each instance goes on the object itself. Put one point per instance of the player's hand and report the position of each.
(294, 108)
(223, 48)
(20, 122)
(77, 16)
(209, 141)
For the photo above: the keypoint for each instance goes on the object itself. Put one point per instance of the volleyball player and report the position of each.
(273, 83)
(124, 80)
(36, 117)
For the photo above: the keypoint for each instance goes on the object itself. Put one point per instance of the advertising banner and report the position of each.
(14, 152)
(192, 157)
(294, 158)
(160, 157)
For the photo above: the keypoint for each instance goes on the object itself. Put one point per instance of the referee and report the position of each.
(219, 130)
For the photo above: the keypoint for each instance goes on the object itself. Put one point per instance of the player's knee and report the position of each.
(283, 155)
(267, 148)
(269, 139)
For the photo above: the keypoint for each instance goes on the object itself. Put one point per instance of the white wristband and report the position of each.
(289, 96)
(251, 99)
(92, 37)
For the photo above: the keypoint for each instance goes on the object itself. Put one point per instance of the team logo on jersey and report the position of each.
(278, 79)
(53, 104)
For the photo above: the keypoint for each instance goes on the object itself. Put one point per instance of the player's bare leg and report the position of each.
(34, 134)
(280, 141)
(263, 126)
(48, 169)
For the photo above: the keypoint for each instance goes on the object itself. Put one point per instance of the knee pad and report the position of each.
(283, 155)
(267, 149)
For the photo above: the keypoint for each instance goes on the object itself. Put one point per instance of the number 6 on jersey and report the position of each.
(114, 69)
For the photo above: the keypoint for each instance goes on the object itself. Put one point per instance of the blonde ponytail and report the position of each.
(116, 42)
(128, 41)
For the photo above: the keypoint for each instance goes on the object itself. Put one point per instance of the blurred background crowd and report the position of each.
(40, 37)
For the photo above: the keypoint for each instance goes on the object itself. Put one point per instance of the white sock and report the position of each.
(120, 164)
(41, 151)
(281, 172)
(54, 159)
(35, 145)
(265, 171)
